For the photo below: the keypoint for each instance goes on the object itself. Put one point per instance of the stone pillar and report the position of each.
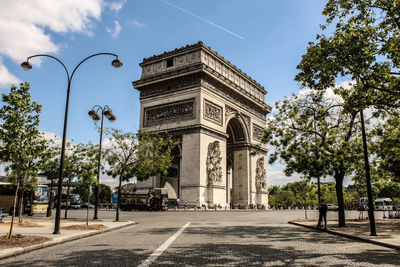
(240, 177)
(190, 170)
(228, 191)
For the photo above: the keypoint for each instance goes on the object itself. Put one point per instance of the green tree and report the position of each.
(74, 156)
(21, 143)
(273, 192)
(315, 137)
(304, 192)
(387, 147)
(285, 198)
(142, 155)
(87, 180)
(105, 193)
(390, 189)
(364, 46)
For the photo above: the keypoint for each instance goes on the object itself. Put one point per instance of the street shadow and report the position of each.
(96, 257)
(267, 245)
(273, 233)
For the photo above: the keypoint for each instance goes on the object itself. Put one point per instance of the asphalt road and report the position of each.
(210, 239)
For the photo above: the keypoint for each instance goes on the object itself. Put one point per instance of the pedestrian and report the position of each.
(323, 209)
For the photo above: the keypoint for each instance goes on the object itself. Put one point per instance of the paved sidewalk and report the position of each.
(388, 231)
(43, 226)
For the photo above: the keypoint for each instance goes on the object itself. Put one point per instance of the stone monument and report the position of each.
(218, 114)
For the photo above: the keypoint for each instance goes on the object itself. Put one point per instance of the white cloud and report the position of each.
(114, 32)
(25, 25)
(7, 78)
(136, 23)
(116, 6)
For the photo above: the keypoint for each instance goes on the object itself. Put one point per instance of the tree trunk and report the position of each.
(13, 213)
(87, 211)
(66, 204)
(48, 214)
(21, 206)
(305, 211)
(339, 176)
(119, 198)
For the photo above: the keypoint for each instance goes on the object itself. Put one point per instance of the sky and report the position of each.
(264, 38)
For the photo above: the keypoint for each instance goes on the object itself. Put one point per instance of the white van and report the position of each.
(383, 203)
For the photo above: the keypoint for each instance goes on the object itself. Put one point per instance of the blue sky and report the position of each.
(264, 38)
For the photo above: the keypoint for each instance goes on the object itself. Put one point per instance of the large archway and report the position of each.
(217, 112)
(237, 162)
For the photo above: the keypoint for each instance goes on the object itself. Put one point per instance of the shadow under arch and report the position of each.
(238, 138)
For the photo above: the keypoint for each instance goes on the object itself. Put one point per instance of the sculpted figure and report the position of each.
(260, 175)
(214, 169)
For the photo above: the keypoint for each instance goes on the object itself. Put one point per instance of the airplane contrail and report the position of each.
(203, 19)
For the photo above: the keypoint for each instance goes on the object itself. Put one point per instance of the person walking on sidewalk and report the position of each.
(323, 209)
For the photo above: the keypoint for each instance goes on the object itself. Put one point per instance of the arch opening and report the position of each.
(236, 164)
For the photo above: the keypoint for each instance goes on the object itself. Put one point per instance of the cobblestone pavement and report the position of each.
(211, 239)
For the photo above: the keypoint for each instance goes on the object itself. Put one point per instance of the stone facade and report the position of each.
(217, 113)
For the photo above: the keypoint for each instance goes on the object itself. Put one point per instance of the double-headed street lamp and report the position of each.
(27, 66)
(105, 111)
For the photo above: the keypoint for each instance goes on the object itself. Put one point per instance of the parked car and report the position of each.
(332, 207)
(85, 205)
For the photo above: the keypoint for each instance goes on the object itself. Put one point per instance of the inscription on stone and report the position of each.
(169, 112)
(212, 112)
(257, 132)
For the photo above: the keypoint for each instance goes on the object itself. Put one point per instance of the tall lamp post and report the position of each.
(105, 111)
(27, 66)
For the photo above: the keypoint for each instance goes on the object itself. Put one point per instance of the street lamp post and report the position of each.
(105, 111)
(27, 66)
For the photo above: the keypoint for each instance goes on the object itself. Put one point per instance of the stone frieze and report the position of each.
(213, 112)
(258, 132)
(169, 112)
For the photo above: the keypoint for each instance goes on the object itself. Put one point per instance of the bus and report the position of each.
(156, 199)
(34, 201)
(383, 204)
(74, 201)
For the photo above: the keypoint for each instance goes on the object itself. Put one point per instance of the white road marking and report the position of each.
(163, 247)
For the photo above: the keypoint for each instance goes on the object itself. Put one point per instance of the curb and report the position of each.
(21, 250)
(366, 240)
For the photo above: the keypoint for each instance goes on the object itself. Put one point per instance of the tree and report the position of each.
(142, 155)
(285, 198)
(315, 136)
(21, 143)
(304, 192)
(87, 180)
(364, 45)
(387, 147)
(390, 189)
(73, 157)
(105, 194)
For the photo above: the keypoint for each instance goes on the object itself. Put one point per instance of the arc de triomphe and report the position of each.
(217, 112)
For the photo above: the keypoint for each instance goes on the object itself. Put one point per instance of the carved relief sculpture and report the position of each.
(261, 183)
(212, 112)
(214, 168)
(257, 132)
(169, 112)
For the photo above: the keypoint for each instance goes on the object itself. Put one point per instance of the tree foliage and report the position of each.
(315, 136)
(21, 143)
(139, 155)
(364, 45)
(387, 146)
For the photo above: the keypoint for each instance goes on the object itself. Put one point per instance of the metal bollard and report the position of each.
(1, 215)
